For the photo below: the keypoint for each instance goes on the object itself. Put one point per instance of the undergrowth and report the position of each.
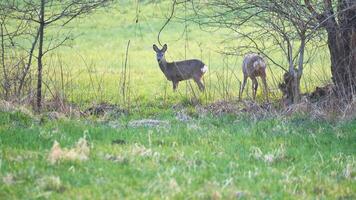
(197, 157)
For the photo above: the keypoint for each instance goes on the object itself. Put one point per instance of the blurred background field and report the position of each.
(92, 64)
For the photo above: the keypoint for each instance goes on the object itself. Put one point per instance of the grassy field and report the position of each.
(188, 153)
(94, 62)
(208, 157)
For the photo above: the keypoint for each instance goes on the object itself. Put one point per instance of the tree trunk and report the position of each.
(39, 59)
(342, 47)
(6, 83)
(290, 86)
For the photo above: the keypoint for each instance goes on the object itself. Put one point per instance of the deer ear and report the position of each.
(164, 47)
(155, 48)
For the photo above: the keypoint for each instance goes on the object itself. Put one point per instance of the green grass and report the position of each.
(208, 157)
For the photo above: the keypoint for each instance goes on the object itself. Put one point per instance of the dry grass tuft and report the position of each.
(304, 106)
(21, 156)
(238, 107)
(173, 185)
(55, 115)
(58, 103)
(50, 183)
(350, 170)
(221, 107)
(271, 157)
(6, 106)
(8, 179)
(349, 110)
(142, 151)
(216, 195)
(59, 106)
(79, 153)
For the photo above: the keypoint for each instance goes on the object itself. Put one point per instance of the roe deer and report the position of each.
(180, 70)
(253, 66)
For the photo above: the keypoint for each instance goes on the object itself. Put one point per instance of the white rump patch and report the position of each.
(204, 69)
(259, 64)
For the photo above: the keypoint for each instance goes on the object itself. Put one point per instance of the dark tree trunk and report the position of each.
(341, 43)
(40, 55)
(5, 83)
(342, 47)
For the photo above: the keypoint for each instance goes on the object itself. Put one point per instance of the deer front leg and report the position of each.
(265, 87)
(243, 87)
(175, 85)
(254, 87)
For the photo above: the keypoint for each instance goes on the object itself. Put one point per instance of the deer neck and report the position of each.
(164, 68)
(163, 65)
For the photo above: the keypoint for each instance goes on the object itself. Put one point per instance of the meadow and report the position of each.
(207, 157)
(169, 145)
(93, 62)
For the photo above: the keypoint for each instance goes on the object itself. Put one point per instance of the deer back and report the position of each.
(183, 70)
(253, 65)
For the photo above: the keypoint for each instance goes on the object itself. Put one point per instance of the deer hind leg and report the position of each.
(175, 85)
(200, 84)
(264, 81)
(254, 87)
(243, 87)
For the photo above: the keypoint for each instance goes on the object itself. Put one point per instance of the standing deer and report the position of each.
(181, 70)
(253, 66)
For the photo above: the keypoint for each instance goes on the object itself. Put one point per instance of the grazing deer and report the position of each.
(253, 66)
(181, 70)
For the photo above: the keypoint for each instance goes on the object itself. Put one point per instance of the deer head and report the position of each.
(160, 52)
